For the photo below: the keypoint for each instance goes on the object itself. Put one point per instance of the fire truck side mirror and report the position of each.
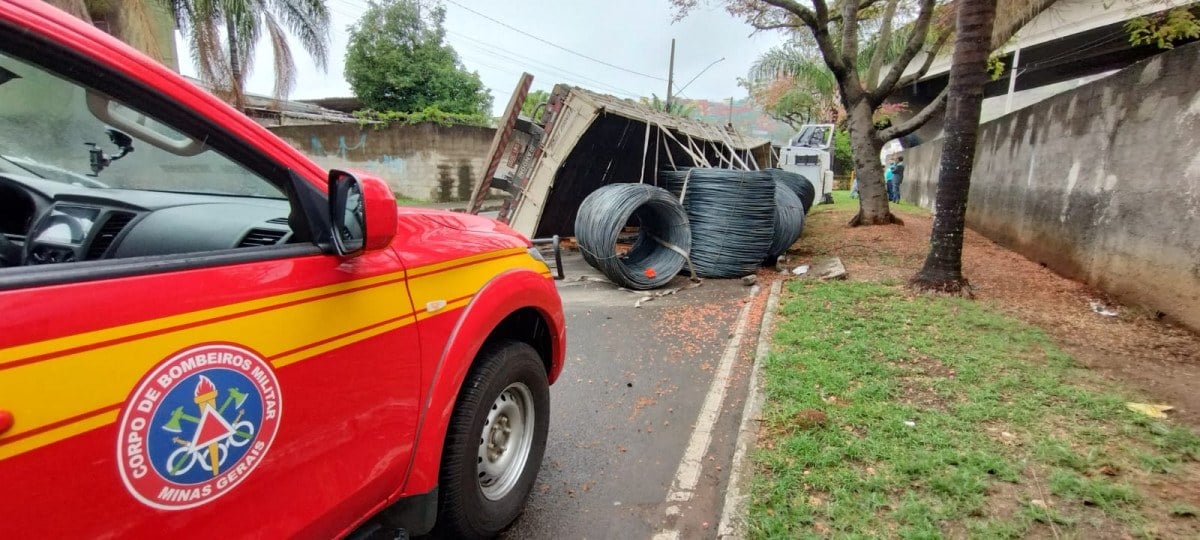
(362, 213)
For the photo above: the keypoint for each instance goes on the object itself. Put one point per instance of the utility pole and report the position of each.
(670, 76)
(731, 111)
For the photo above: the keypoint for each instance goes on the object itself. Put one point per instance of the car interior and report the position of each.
(84, 177)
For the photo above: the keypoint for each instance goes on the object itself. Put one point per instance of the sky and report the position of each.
(633, 37)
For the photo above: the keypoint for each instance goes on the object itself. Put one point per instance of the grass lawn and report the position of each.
(401, 200)
(893, 415)
(843, 201)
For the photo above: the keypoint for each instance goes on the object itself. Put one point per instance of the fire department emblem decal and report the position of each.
(197, 425)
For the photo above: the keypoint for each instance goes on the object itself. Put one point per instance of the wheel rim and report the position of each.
(505, 441)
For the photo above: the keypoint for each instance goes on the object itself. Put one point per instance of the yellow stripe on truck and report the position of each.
(285, 328)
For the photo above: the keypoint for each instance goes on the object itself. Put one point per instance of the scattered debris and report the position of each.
(910, 423)
(829, 269)
(749, 279)
(1148, 409)
(585, 277)
(1102, 309)
(647, 297)
(800, 270)
(1039, 503)
(809, 418)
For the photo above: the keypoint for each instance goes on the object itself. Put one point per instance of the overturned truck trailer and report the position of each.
(581, 140)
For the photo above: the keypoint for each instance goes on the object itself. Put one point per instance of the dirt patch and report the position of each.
(1151, 356)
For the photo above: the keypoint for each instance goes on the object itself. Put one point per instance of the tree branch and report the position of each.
(850, 33)
(864, 4)
(915, 40)
(797, 9)
(881, 44)
(930, 56)
(915, 123)
(775, 26)
(1001, 35)
(817, 22)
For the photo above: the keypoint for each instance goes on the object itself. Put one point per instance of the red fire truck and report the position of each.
(205, 335)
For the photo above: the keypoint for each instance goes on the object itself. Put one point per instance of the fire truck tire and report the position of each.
(494, 443)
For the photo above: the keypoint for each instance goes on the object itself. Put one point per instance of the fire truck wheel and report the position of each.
(494, 443)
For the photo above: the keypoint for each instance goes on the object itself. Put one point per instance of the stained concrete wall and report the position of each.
(423, 161)
(1101, 184)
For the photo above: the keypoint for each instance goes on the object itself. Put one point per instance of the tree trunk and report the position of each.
(942, 271)
(76, 8)
(873, 206)
(235, 66)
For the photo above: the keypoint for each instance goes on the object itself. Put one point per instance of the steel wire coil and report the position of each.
(789, 220)
(663, 238)
(799, 185)
(732, 214)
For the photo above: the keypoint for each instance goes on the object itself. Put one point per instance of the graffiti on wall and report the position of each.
(385, 165)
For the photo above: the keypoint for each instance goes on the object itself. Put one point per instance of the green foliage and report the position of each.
(678, 107)
(843, 155)
(995, 67)
(792, 84)
(398, 60)
(532, 100)
(1164, 30)
(428, 114)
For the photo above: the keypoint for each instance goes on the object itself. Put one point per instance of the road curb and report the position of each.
(733, 513)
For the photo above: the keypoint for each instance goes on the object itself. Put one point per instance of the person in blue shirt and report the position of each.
(888, 176)
(897, 179)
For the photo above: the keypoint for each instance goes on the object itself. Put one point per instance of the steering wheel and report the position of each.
(10, 253)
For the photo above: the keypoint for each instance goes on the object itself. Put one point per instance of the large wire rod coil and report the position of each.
(799, 185)
(663, 235)
(732, 214)
(789, 221)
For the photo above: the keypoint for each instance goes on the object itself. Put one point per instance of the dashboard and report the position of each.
(54, 222)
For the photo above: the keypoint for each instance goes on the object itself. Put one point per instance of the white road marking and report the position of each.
(687, 475)
(733, 514)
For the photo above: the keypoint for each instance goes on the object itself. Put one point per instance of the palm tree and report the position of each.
(222, 35)
(678, 107)
(795, 86)
(942, 271)
(145, 25)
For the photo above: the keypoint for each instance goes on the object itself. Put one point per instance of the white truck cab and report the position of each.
(809, 154)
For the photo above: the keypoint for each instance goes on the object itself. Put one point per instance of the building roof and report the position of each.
(343, 104)
(260, 105)
(638, 111)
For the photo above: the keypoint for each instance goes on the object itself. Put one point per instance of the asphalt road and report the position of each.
(624, 410)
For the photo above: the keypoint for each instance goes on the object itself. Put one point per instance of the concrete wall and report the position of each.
(1101, 183)
(424, 161)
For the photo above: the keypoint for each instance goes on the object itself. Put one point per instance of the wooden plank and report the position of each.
(500, 140)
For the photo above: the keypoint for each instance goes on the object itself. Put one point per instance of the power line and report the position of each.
(555, 45)
(355, 10)
(519, 66)
(488, 48)
(517, 61)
